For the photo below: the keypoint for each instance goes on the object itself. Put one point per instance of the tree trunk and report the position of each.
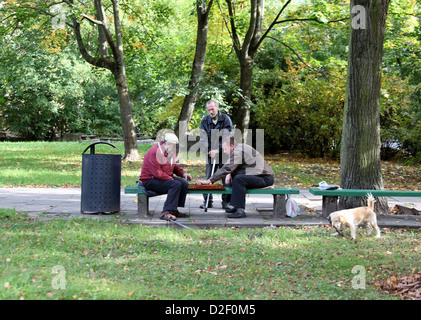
(115, 64)
(102, 39)
(197, 70)
(131, 152)
(246, 54)
(360, 149)
(243, 112)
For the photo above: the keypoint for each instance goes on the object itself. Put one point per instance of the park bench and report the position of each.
(330, 197)
(279, 197)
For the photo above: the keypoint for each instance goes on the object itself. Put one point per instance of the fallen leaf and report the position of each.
(407, 287)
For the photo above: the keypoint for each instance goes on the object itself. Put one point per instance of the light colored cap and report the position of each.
(171, 138)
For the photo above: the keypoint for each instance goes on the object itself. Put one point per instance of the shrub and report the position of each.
(303, 112)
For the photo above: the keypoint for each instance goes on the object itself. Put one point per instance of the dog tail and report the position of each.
(370, 201)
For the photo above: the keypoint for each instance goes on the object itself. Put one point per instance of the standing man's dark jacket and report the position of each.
(211, 135)
(223, 126)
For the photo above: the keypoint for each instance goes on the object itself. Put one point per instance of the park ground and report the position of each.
(105, 259)
(56, 164)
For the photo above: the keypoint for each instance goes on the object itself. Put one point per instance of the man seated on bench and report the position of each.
(157, 175)
(245, 169)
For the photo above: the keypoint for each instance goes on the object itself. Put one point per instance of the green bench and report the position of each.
(330, 197)
(279, 197)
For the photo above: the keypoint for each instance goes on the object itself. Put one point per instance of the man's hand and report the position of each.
(187, 176)
(228, 179)
(213, 153)
(200, 182)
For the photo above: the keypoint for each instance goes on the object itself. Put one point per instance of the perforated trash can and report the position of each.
(101, 181)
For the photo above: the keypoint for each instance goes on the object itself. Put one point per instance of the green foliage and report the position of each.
(46, 90)
(303, 112)
(45, 94)
(403, 40)
(158, 60)
(35, 91)
(398, 119)
(401, 94)
(100, 110)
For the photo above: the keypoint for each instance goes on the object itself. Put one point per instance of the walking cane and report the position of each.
(207, 199)
(180, 224)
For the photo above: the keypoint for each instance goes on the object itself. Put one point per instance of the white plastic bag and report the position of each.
(292, 208)
(324, 186)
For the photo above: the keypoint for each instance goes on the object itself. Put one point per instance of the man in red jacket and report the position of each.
(157, 175)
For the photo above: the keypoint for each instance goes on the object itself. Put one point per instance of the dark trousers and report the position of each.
(242, 182)
(225, 197)
(176, 191)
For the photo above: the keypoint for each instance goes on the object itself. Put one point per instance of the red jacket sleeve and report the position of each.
(178, 171)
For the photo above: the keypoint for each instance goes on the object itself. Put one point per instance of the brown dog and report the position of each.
(351, 218)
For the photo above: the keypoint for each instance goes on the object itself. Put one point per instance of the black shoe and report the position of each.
(239, 213)
(230, 209)
(226, 205)
(203, 206)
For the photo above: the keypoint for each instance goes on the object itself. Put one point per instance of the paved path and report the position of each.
(65, 203)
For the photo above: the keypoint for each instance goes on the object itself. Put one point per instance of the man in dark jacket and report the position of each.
(246, 169)
(213, 127)
(157, 175)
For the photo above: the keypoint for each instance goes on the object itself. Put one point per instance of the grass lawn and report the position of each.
(56, 164)
(105, 259)
(59, 164)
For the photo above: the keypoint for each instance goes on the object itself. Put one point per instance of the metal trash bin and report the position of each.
(101, 181)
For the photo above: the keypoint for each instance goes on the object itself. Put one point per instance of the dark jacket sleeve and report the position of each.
(204, 139)
(227, 122)
(227, 168)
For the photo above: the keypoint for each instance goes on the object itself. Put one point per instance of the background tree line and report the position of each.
(299, 70)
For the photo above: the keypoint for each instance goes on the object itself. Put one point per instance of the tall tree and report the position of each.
(116, 65)
(203, 9)
(107, 51)
(246, 51)
(360, 149)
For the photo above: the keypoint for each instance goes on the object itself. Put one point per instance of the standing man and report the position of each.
(213, 127)
(157, 175)
(246, 169)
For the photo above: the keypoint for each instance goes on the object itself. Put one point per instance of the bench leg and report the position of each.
(142, 205)
(329, 205)
(279, 206)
